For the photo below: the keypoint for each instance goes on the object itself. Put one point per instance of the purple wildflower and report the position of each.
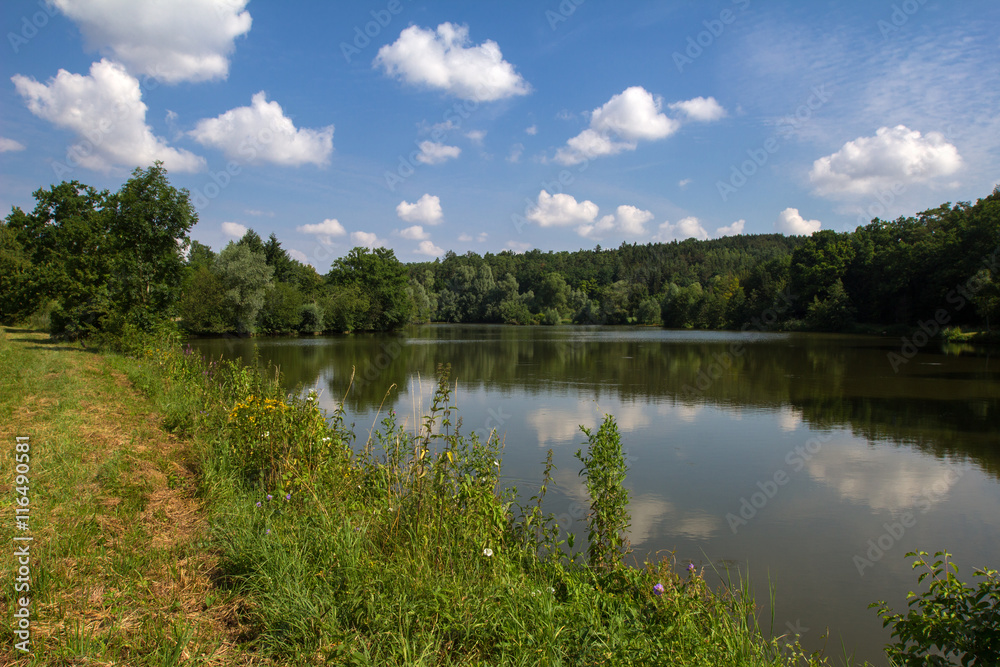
(258, 503)
(658, 590)
(269, 496)
(691, 568)
(288, 497)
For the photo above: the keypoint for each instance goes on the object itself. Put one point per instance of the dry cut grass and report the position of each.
(120, 569)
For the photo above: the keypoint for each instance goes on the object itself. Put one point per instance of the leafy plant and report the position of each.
(608, 521)
(950, 618)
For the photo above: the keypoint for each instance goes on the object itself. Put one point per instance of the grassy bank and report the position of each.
(119, 569)
(193, 513)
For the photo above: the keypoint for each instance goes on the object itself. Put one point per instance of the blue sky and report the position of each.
(486, 126)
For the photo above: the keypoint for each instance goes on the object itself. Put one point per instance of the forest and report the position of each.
(87, 262)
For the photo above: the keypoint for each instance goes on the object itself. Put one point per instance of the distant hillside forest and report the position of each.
(88, 262)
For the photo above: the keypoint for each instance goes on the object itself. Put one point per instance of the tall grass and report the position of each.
(404, 549)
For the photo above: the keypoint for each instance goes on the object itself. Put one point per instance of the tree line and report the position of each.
(88, 262)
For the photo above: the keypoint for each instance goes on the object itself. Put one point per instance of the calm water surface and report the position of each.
(806, 460)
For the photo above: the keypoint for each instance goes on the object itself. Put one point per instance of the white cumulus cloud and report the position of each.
(633, 114)
(180, 40)
(262, 133)
(700, 109)
(325, 230)
(432, 152)
(234, 229)
(428, 248)
(685, 228)
(895, 156)
(789, 222)
(366, 239)
(414, 233)
(8, 145)
(734, 229)
(628, 117)
(561, 209)
(427, 209)
(446, 60)
(627, 220)
(106, 111)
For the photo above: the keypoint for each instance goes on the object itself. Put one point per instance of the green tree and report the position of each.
(614, 303)
(346, 308)
(15, 270)
(421, 303)
(304, 276)
(648, 311)
(252, 240)
(380, 279)
(553, 292)
(819, 263)
(447, 310)
(149, 225)
(834, 312)
(200, 254)
(681, 305)
(246, 279)
(202, 306)
(277, 257)
(987, 295)
(311, 318)
(280, 313)
(70, 257)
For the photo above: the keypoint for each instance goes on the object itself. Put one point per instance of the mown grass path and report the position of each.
(120, 571)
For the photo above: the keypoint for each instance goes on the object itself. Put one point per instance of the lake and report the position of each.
(812, 462)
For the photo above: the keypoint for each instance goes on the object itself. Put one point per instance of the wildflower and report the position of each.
(658, 590)
(258, 503)
(288, 497)
(269, 496)
(268, 532)
(487, 552)
(691, 568)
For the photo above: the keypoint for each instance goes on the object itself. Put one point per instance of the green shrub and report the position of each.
(608, 521)
(953, 619)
